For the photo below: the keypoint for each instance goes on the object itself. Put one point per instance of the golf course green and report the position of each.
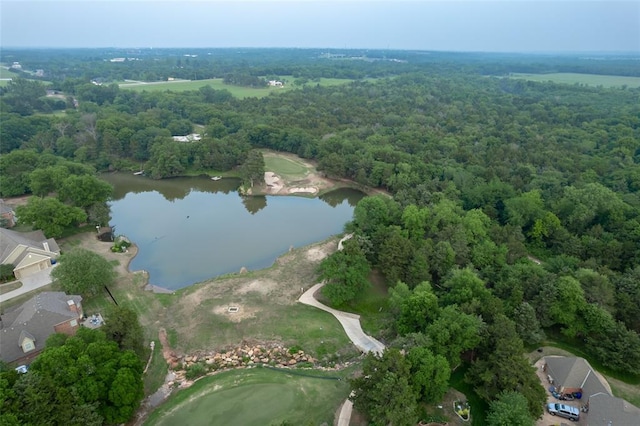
(257, 396)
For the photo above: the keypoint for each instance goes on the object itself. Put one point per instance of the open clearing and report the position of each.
(256, 396)
(588, 79)
(198, 319)
(6, 75)
(285, 167)
(218, 84)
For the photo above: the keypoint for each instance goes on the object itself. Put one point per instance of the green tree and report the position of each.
(527, 324)
(83, 272)
(15, 170)
(417, 310)
(429, 374)
(500, 367)
(383, 392)
(166, 160)
(453, 333)
(47, 180)
(509, 409)
(252, 170)
(84, 191)
(87, 380)
(346, 273)
(567, 305)
(123, 327)
(50, 215)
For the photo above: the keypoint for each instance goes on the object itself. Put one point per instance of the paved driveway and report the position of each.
(30, 283)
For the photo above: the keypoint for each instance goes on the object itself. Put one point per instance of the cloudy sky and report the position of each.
(472, 25)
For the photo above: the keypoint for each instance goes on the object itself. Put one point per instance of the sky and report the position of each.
(453, 25)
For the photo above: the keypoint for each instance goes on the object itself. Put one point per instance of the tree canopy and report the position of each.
(81, 380)
(83, 272)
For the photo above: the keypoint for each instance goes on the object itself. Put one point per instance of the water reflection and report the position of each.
(192, 229)
(338, 196)
(254, 203)
(171, 189)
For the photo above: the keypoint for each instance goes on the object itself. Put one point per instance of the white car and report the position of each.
(562, 410)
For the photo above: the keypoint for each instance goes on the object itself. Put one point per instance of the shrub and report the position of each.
(6, 273)
(195, 371)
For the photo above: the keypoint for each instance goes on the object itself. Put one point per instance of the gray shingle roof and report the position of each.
(604, 409)
(9, 240)
(36, 317)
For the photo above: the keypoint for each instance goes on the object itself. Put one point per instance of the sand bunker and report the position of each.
(305, 189)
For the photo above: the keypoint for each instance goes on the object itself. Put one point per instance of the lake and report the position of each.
(191, 229)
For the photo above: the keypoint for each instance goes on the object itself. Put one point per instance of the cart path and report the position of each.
(351, 325)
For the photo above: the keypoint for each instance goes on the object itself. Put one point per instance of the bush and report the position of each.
(6, 273)
(196, 370)
(120, 245)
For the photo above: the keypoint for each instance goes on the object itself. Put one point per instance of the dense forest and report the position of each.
(486, 173)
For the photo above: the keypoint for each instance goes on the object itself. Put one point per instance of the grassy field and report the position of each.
(218, 84)
(269, 311)
(253, 397)
(286, 167)
(4, 74)
(588, 79)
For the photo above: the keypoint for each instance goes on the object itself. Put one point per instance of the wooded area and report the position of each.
(487, 174)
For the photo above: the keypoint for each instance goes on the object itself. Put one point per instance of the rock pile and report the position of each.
(244, 356)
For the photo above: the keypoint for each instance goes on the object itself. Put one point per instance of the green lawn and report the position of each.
(218, 84)
(256, 396)
(5, 74)
(588, 79)
(284, 166)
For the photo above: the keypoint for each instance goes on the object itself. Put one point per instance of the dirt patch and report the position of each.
(261, 286)
(89, 241)
(318, 253)
(242, 314)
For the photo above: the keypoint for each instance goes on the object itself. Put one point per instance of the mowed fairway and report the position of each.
(284, 166)
(588, 79)
(218, 84)
(257, 396)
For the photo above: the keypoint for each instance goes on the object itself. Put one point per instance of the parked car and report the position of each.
(561, 410)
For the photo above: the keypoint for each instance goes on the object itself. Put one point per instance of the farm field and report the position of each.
(588, 79)
(5, 75)
(218, 84)
(255, 396)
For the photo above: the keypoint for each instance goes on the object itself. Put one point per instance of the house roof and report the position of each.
(9, 240)
(574, 372)
(24, 334)
(35, 319)
(606, 410)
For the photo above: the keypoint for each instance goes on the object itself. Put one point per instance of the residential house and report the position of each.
(7, 213)
(28, 252)
(275, 83)
(24, 330)
(573, 374)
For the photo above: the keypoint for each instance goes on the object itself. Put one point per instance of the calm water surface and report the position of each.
(192, 229)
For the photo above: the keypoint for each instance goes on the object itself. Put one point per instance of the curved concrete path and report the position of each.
(351, 325)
